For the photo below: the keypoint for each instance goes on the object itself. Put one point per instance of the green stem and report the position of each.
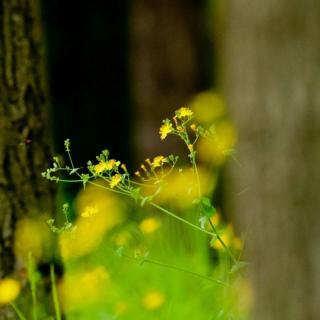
(18, 312)
(181, 219)
(183, 270)
(168, 266)
(70, 159)
(234, 260)
(54, 293)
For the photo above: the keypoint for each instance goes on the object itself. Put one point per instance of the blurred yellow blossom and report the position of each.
(180, 187)
(153, 300)
(26, 241)
(165, 129)
(229, 238)
(89, 211)
(149, 225)
(237, 243)
(115, 180)
(208, 107)
(218, 147)
(84, 287)
(184, 112)
(9, 290)
(90, 232)
(122, 238)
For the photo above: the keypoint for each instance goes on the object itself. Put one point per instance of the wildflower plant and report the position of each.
(112, 175)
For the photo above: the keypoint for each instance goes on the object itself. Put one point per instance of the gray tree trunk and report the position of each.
(273, 88)
(24, 143)
(165, 47)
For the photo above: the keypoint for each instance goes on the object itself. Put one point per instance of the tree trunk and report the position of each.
(166, 43)
(272, 84)
(24, 143)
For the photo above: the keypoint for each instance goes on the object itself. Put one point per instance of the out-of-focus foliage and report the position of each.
(210, 110)
(129, 252)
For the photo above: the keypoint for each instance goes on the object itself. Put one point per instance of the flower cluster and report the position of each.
(155, 169)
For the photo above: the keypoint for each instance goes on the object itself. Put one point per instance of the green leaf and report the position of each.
(74, 171)
(206, 208)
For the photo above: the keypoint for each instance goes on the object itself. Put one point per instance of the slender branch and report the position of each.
(180, 219)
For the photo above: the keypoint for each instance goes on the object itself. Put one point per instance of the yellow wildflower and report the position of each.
(184, 113)
(165, 129)
(143, 167)
(115, 180)
(153, 300)
(124, 167)
(111, 164)
(158, 161)
(9, 290)
(100, 167)
(138, 174)
(148, 162)
(104, 166)
(193, 127)
(149, 225)
(89, 211)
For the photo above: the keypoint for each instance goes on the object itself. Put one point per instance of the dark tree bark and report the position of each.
(24, 143)
(273, 81)
(166, 69)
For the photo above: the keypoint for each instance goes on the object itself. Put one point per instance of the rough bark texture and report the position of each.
(272, 82)
(165, 65)
(24, 150)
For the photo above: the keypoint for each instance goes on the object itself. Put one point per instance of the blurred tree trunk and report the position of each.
(272, 83)
(24, 143)
(166, 46)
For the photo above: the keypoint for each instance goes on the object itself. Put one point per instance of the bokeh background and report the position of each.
(112, 72)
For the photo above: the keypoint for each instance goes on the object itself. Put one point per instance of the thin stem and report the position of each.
(54, 293)
(181, 219)
(17, 311)
(195, 168)
(168, 266)
(234, 260)
(183, 270)
(70, 159)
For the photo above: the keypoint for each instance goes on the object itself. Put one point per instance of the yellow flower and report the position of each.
(149, 225)
(9, 290)
(100, 167)
(111, 164)
(184, 113)
(193, 127)
(165, 129)
(137, 173)
(115, 180)
(103, 166)
(153, 300)
(158, 161)
(89, 211)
